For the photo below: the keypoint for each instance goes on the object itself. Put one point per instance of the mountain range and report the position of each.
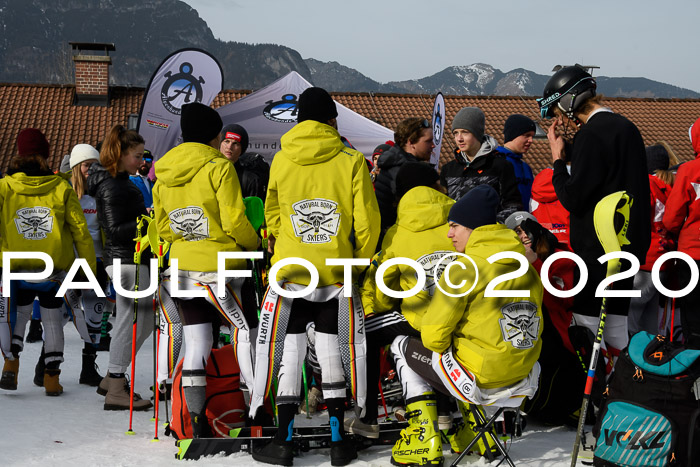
(34, 48)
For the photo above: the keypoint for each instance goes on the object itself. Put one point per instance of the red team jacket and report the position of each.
(682, 213)
(660, 241)
(545, 206)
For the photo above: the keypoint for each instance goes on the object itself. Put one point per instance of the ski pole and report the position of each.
(156, 392)
(159, 253)
(611, 240)
(140, 222)
(306, 389)
(673, 316)
(381, 394)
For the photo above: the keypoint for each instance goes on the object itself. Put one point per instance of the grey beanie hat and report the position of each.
(517, 218)
(471, 119)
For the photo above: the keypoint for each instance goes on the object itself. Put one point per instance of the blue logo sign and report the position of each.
(180, 89)
(283, 111)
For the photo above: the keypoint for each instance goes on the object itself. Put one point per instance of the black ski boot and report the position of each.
(275, 452)
(200, 426)
(342, 452)
(35, 333)
(39, 370)
(89, 374)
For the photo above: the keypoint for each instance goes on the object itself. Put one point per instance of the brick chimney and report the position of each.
(92, 63)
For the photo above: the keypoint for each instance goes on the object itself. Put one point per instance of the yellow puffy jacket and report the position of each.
(497, 339)
(42, 213)
(199, 208)
(320, 203)
(420, 234)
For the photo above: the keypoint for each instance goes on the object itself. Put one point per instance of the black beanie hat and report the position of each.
(238, 133)
(517, 125)
(476, 208)
(413, 174)
(379, 150)
(657, 158)
(199, 123)
(316, 104)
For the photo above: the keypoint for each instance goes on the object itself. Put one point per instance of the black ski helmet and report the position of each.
(568, 88)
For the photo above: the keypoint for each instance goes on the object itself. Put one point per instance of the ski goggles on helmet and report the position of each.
(548, 104)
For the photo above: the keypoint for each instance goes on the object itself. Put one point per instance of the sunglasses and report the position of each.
(425, 123)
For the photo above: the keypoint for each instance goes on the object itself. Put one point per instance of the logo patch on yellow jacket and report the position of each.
(190, 223)
(34, 223)
(520, 325)
(429, 262)
(315, 220)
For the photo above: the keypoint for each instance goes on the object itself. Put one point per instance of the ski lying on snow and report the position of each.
(304, 439)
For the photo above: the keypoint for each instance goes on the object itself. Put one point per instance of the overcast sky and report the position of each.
(394, 40)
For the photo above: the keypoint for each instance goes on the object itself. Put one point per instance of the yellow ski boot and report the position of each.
(420, 442)
(465, 434)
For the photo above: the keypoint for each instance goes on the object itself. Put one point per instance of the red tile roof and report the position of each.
(50, 108)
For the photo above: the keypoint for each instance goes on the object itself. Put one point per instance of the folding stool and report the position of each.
(484, 427)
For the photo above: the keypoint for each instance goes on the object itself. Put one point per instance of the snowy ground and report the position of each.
(74, 430)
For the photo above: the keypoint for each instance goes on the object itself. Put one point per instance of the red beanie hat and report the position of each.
(31, 141)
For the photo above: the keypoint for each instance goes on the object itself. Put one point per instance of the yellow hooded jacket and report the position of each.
(420, 234)
(199, 208)
(319, 197)
(42, 213)
(497, 339)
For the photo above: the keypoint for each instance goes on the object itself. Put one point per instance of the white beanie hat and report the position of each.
(82, 153)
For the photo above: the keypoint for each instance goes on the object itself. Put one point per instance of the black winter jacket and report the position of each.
(253, 175)
(385, 186)
(492, 168)
(607, 156)
(119, 204)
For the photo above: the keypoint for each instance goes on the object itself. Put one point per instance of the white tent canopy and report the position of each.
(270, 112)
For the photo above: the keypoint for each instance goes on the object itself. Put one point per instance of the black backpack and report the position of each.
(650, 416)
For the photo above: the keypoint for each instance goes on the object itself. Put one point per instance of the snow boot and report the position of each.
(465, 434)
(275, 452)
(51, 384)
(118, 395)
(89, 374)
(36, 332)
(420, 442)
(10, 370)
(104, 386)
(39, 370)
(362, 427)
(315, 397)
